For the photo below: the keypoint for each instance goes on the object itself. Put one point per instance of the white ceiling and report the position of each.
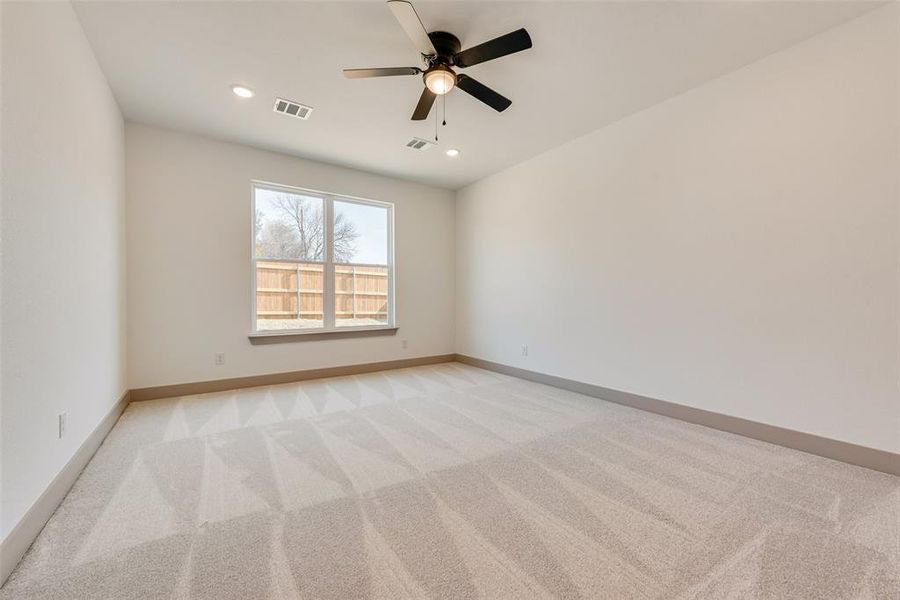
(173, 63)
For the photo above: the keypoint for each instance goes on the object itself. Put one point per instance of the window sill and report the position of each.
(294, 335)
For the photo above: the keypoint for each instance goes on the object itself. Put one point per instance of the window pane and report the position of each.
(360, 295)
(288, 295)
(290, 226)
(360, 233)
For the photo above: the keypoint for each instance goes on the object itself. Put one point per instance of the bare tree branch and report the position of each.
(304, 216)
(344, 239)
(278, 239)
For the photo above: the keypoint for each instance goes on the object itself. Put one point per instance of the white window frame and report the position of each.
(328, 265)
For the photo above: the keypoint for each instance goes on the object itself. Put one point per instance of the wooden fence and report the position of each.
(295, 291)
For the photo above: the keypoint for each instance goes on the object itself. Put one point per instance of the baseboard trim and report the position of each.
(871, 458)
(221, 385)
(17, 542)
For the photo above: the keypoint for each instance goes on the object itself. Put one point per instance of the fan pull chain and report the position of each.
(444, 122)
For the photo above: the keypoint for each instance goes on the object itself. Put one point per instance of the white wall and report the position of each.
(63, 305)
(189, 261)
(734, 248)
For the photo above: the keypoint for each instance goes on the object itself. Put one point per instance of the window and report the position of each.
(321, 262)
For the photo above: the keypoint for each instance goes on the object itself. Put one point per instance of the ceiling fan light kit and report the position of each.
(439, 79)
(441, 51)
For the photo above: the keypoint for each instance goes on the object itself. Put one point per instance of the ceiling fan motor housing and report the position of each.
(446, 45)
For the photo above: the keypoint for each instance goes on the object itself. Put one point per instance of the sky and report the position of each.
(369, 221)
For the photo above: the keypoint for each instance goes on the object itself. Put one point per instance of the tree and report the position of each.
(258, 222)
(278, 239)
(344, 239)
(303, 216)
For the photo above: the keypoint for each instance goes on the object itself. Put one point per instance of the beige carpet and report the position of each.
(453, 482)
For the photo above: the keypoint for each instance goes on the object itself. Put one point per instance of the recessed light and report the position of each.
(241, 91)
(452, 152)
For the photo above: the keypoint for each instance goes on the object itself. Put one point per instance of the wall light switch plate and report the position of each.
(61, 425)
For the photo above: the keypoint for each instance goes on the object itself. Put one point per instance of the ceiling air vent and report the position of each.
(419, 144)
(292, 109)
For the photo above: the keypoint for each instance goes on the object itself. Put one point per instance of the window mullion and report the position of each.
(328, 296)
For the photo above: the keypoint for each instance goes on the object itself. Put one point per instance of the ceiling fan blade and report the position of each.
(512, 42)
(385, 72)
(412, 25)
(426, 100)
(482, 92)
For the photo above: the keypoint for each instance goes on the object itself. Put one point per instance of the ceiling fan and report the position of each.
(440, 52)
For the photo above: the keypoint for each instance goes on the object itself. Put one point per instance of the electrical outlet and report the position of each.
(220, 358)
(404, 344)
(525, 350)
(61, 425)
